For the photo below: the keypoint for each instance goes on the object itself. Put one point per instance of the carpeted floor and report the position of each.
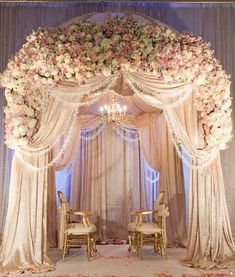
(115, 261)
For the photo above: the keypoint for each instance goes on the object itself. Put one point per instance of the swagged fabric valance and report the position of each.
(60, 72)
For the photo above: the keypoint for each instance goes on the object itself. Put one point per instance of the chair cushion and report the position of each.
(132, 227)
(148, 228)
(79, 228)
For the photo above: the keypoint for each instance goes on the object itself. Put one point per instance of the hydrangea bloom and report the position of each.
(83, 50)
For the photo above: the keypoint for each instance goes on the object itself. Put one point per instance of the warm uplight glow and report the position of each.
(113, 113)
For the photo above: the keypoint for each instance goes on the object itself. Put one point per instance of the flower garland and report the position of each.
(84, 50)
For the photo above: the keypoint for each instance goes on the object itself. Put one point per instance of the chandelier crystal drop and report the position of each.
(113, 114)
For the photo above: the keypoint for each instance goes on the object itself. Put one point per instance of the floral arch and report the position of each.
(73, 66)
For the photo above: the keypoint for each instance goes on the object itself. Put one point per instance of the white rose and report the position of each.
(106, 71)
(22, 141)
(32, 123)
(29, 111)
(22, 130)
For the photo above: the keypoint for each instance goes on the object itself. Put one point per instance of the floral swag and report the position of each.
(84, 50)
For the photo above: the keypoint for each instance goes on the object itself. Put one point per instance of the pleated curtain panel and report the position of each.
(166, 117)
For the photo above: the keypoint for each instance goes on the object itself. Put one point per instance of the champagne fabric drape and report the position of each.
(25, 240)
(5, 170)
(152, 142)
(213, 21)
(106, 179)
(49, 132)
(210, 241)
(160, 154)
(203, 20)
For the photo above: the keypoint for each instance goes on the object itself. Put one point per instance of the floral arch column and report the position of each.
(164, 68)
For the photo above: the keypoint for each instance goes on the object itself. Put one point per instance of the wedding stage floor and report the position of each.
(115, 261)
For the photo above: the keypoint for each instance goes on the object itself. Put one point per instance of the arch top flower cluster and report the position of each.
(84, 50)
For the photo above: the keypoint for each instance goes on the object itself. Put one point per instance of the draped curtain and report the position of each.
(203, 20)
(214, 22)
(100, 172)
(28, 191)
(5, 166)
(108, 179)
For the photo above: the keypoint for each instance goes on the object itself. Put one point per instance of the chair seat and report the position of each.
(148, 228)
(132, 227)
(79, 228)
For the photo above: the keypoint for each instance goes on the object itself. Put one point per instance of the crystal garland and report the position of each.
(140, 86)
(117, 130)
(39, 152)
(186, 93)
(196, 153)
(100, 129)
(195, 159)
(77, 104)
(151, 181)
(61, 152)
(83, 90)
(102, 88)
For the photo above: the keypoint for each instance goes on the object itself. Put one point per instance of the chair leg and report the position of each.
(94, 242)
(65, 245)
(92, 245)
(88, 247)
(134, 243)
(139, 246)
(129, 241)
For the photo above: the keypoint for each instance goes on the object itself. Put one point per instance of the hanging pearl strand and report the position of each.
(186, 94)
(38, 152)
(59, 94)
(153, 92)
(126, 129)
(195, 159)
(85, 90)
(151, 181)
(100, 129)
(74, 104)
(197, 153)
(125, 137)
(61, 152)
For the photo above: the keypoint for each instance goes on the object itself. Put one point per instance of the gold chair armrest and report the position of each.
(137, 216)
(75, 212)
(141, 214)
(85, 216)
(145, 212)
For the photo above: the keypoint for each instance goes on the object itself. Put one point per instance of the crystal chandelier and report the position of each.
(113, 114)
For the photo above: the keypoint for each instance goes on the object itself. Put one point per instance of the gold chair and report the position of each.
(77, 233)
(153, 233)
(132, 234)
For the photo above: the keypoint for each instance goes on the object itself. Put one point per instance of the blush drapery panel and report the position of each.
(159, 151)
(210, 242)
(94, 187)
(24, 240)
(106, 179)
(31, 254)
(5, 169)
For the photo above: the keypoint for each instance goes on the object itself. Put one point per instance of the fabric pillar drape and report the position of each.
(159, 151)
(210, 241)
(24, 241)
(177, 103)
(171, 181)
(150, 132)
(210, 236)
